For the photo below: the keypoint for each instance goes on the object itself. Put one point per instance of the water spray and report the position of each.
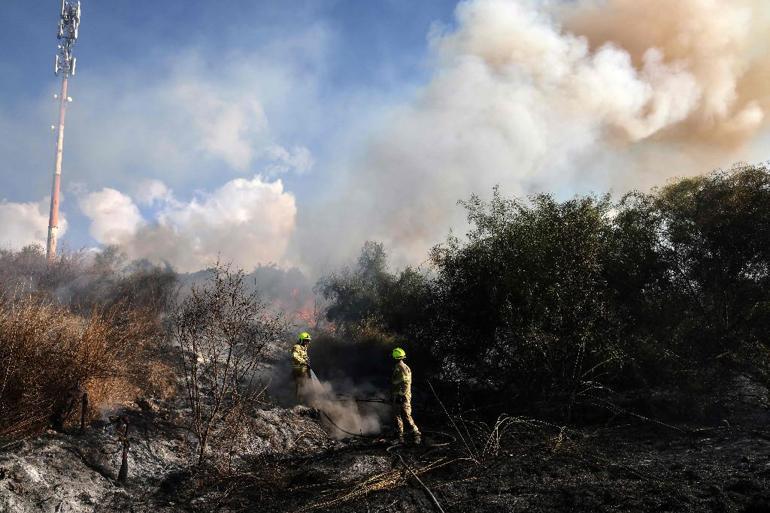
(64, 66)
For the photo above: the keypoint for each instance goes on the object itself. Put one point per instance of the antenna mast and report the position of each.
(64, 66)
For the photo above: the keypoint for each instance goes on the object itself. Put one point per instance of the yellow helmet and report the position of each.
(399, 354)
(304, 337)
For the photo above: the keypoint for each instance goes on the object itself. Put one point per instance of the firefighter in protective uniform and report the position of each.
(300, 363)
(402, 397)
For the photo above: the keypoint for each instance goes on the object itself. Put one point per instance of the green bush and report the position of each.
(561, 301)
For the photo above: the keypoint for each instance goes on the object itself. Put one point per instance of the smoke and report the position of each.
(199, 120)
(721, 45)
(243, 222)
(342, 415)
(189, 118)
(25, 224)
(114, 216)
(184, 130)
(344, 374)
(335, 399)
(565, 97)
(151, 191)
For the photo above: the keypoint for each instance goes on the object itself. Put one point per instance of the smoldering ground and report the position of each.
(351, 389)
(343, 415)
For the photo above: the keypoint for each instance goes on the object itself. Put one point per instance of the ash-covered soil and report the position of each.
(612, 469)
(291, 464)
(77, 472)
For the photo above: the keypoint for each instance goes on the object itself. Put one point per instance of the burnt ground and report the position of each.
(624, 468)
(632, 467)
(291, 465)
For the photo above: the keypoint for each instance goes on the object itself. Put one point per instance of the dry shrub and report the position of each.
(159, 379)
(107, 394)
(50, 356)
(222, 331)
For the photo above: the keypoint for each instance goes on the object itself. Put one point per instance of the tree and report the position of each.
(524, 301)
(710, 235)
(354, 294)
(222, 331)
(560, 300)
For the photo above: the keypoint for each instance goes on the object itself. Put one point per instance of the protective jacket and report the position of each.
(402, 400)
(299, 358)
(402, 381)
(300, 369)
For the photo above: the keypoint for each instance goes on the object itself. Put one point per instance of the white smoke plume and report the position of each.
(25, 224)
(151, 191)
(343, 417)
(530, 95)
(244, 222)
(114, 216)
(562, 97)
(722, 45)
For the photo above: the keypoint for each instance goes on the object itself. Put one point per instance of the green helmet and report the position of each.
(399, 354)
(304, 337)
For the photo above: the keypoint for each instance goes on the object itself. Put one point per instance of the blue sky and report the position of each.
(341, 49)
(373, 40)
(290, 132)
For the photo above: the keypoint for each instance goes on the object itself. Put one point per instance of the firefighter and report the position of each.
(402, 397)
(300, 363)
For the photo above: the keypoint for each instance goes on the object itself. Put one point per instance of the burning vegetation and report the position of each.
(585, 355)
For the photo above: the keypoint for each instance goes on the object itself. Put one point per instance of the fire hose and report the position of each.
(343, 398)
(451, 439)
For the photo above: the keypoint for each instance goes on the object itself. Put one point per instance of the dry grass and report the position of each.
(375, 483)
(158, 379)
(50, 356)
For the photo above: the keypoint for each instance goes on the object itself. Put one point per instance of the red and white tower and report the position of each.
(69, 23)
